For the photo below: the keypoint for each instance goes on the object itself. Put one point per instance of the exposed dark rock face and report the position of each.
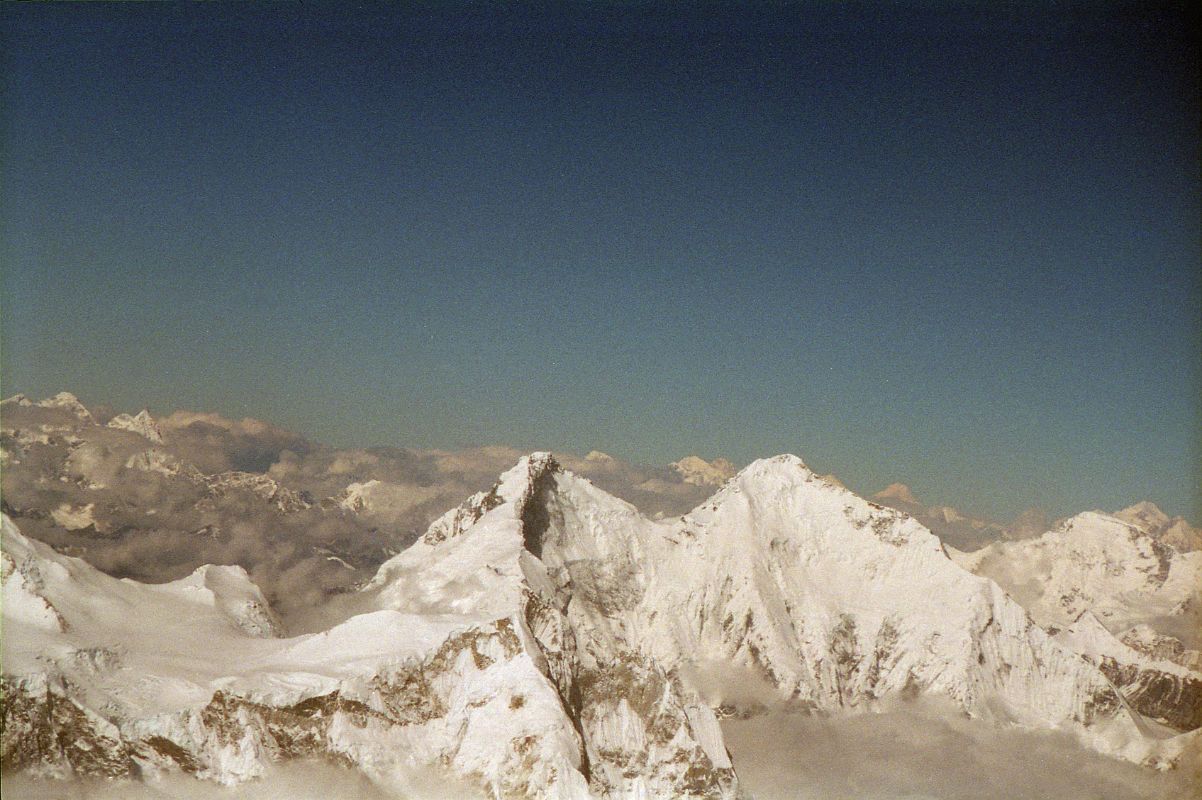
(44, 728)
(1160, 695)
(537, 509)
(600, 675)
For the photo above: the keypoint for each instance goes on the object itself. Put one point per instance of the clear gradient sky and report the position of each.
(934, 242)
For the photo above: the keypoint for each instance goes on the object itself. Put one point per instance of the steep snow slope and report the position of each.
(840, 603)
(1158, 688)
(643, 732)
(113, 678)
(57, 608)
(1097, 573)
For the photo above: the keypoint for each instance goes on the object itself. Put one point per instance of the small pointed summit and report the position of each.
(528, 477)
(1145, 514)
(783, 473)
(1173, 531)
(141, 423)
(539, 462)
(519, 487)
(784, 463)
(897, 492)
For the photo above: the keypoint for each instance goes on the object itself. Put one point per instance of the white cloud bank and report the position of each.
(924, 752)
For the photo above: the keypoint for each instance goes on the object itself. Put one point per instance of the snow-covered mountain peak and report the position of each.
(785, 463)
(355, 496)
(141, 423)
(16, 400)
(1144, 513)
(476, 548)
(563, 559)
(898, 492)
(522, 500)
(1173, 531)
(517, 481)
(535, 465)
(767, 475)
(539, 640)
(772, 494)
(68, 401)
(699, 472)
(1098, 562)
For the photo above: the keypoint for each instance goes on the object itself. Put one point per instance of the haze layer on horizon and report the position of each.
(955, 247)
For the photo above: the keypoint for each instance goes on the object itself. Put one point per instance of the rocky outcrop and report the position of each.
(1170, 697)
(1156, 687)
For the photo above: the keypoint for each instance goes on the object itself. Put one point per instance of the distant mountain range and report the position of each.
(543, 638)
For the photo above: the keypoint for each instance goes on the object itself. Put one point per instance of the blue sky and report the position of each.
(940, 243)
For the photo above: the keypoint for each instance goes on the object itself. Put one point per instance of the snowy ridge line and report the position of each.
(542, 639)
